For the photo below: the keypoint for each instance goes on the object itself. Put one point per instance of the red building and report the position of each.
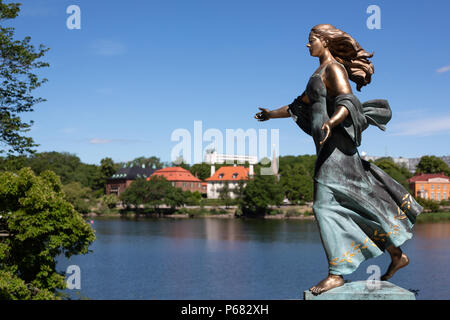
(432, 186)
(182, 178)
(118, 182)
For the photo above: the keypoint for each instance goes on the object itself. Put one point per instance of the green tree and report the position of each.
(180, 162)
(151, 162)
(201, 170)
(432, 164)
(297, 182)
(173, 197)
(260, 192)
(18, 59)
(428, 204)
(67, 166)
(296, 177)
(109, 200)
(192, 198)
(150, 192)
(12, 162)
(224, 194)
(107, 169)
(80, 197)
(137, 193)
(239, 192)
(42, 226)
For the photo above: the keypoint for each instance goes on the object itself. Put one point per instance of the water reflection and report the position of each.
(433, 230)
(236, 259)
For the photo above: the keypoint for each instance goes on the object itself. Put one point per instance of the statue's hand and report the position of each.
(327, 128)
(264, 115)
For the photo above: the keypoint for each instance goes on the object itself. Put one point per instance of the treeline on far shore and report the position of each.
(84, 186)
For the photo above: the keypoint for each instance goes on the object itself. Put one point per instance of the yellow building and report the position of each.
(431, 186)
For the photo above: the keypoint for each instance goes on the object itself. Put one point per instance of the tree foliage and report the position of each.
(432, 164)
(225, 194)
(192, 198)
(201, 170)
(173, 197)
(42, 226)
(296, 177)
(80, 197)
(153, 192)
(18, 59)
(260, 192)
(66, 165)
(106, 170)
(150, 162)
(109, 200)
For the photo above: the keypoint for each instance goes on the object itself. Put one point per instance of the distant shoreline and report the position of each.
(423, 218)
(201, 216)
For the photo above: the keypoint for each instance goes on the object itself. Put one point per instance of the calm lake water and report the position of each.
(236, 259)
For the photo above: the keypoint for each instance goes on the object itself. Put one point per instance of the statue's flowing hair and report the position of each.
(347, 51)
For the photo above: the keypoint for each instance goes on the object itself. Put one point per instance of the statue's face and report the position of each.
(315, 45)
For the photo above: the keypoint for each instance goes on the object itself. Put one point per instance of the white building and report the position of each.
(227, 175)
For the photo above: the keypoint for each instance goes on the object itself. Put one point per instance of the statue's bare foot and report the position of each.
(330, 282)
(398, 262)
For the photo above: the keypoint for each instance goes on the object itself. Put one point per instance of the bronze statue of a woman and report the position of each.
(360, 210)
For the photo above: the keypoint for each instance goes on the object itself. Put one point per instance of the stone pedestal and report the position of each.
(363, 290)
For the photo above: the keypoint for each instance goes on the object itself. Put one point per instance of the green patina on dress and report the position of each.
(360, 209)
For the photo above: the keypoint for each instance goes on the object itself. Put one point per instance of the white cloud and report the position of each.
(443, 69)
(99, 141)
(423, 127)
(106, 141)
(108, 48)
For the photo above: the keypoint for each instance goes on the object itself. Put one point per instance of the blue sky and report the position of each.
(137, 70)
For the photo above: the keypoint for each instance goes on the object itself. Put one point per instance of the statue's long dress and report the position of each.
(360, 210)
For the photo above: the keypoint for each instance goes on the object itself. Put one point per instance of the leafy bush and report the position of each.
(80, 197)
(42, 225)
(428, 205)
(109, 200)
(260, 192)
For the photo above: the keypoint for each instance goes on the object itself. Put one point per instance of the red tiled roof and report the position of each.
(427, 176)
(229, 173)
(176, 174)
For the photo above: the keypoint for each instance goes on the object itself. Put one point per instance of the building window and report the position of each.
(438, 196)
(173, 184)
(421, 187)
(438, 186)
(221, 176)
(444, 196)
(432, 196)
(192, 184)
(445, 187)
(184, 184)
(432, 187)
(199, 184)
